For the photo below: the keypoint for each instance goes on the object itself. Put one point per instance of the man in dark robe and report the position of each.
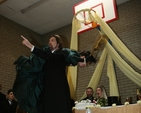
(56, 94)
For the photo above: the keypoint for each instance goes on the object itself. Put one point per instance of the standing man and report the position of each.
(9, 105)
(56, 94)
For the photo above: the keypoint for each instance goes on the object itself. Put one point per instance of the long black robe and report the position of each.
(42, 83)
(56, 95)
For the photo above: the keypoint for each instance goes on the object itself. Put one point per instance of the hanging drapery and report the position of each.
(97, 73)
(117, 43)
(112, 77)
(124, 66)
(72, 71)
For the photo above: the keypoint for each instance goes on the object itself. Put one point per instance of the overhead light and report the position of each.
(33, 6)
(2, 1)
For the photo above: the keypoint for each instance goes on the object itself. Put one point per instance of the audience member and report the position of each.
(2, 96)
(89, 93)
(9, 105)
(101, 96)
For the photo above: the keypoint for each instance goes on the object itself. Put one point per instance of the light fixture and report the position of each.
(33, 6)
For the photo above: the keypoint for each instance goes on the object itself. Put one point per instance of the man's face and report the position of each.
(89, 92)
(53, 43)
(11, 96)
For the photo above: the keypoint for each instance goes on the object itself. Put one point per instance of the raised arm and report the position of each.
(26, 43)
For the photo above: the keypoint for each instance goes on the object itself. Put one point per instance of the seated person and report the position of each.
(138, 94)
(9, 105)
(101, 96)
(89, 93)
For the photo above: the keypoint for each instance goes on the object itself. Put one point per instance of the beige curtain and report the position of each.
(72, 71)
(112, 77)
(97, 73)
(124, 66)
(117, 43)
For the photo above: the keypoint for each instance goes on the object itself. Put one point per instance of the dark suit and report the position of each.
(2, 97)
(90, 98)
(6, 107)
(56, 96)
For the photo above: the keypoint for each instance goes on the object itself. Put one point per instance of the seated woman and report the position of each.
(101, 97)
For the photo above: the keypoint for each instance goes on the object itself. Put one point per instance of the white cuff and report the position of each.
(32, 48)
(84, 60)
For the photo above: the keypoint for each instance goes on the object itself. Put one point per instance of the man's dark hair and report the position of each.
(89, 88)
(9, 91)
(59, 40)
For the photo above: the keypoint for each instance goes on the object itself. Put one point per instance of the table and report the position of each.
(131, 108)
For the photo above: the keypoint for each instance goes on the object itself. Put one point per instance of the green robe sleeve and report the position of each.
(28, 84)
(72, 56)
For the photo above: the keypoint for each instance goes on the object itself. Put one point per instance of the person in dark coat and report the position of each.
(56, 93)
(2, 96)
(9, 105)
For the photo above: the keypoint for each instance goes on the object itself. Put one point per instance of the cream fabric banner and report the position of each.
(112, 77)
(72, 71)
(97, 73)
(117, 43)
(123, 66)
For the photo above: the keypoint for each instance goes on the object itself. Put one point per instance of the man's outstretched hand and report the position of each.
(26, 42)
